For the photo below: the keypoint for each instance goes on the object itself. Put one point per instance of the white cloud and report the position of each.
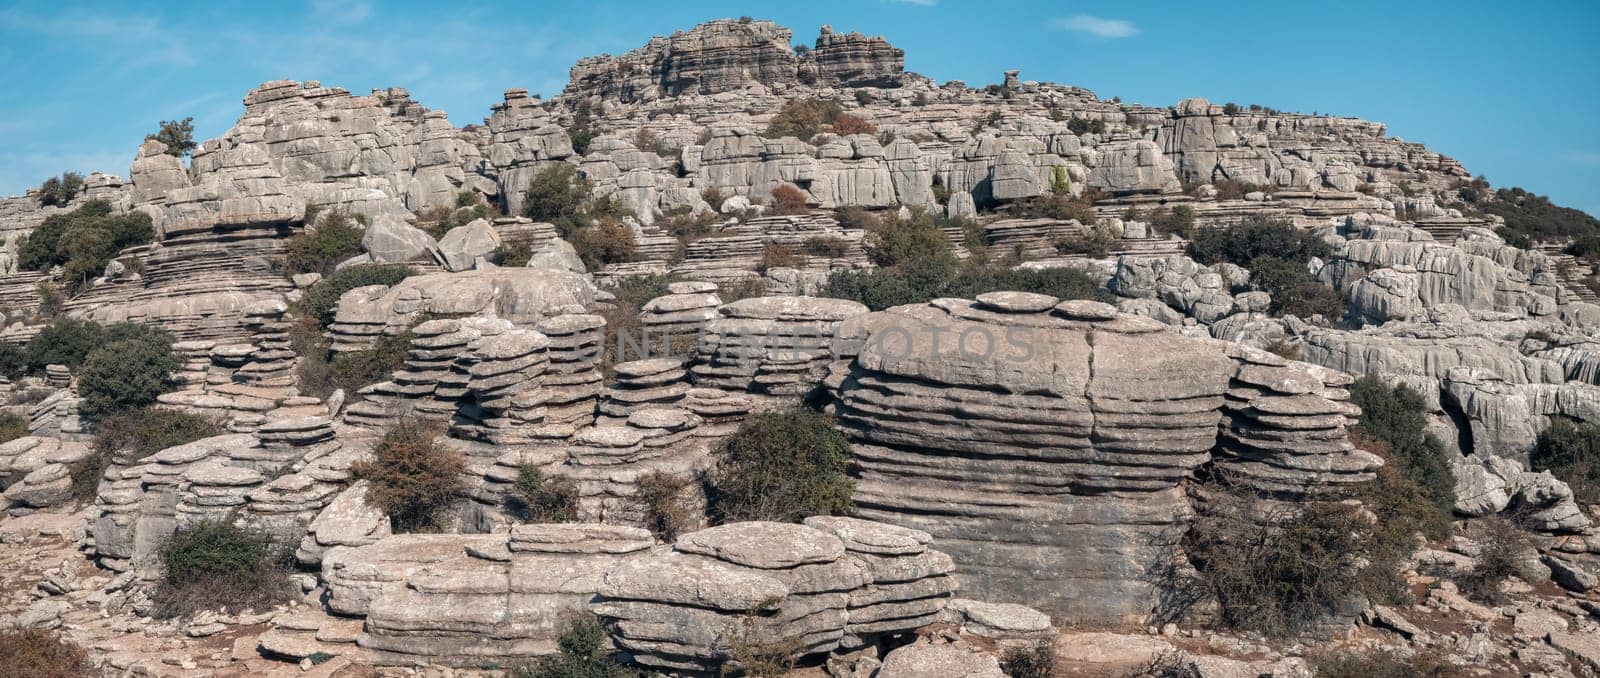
(919, 3)
(1098, 27)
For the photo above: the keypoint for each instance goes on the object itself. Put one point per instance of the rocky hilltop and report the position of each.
(1067, 355)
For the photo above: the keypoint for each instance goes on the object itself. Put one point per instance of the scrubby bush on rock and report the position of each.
(662, 499)
(1570, 450)
(322, 299)
(1379, 663)
(128, 372)
(42, 654)
(83, 241)
(892, 241)
(1284, 575)
(584, 654)
(927, 280)
(625, 337)
(58, 191)
(1502, 548)
(12, 427)
(1415, 491)
(782, 466)
(560, 196)
(412, 477)
(1277, 255)
(318, 248)
(177, 135)
(1029, 661)
(216, 565)
(804, 118)
(136, 434)
(786, 199)
(606, 241)
(537, 498)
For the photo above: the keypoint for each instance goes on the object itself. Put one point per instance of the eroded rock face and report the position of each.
(1043, 443)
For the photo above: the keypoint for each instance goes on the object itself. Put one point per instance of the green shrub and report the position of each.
(354, 370)
(776, 255)
(317, 249)
(782, 466)
(512, 255)
(1534, 217)
(893, 241)
(803, 118)
(927, 280)
(827, 247)
(67, 341)
(1080, 126)
(216, 565)
(412, 477)
(1096, 244)
(1502, 547)
(1396, 418)
(51, 299)
(536, 498)
(178, 135)
(125, 374)
(37, 653)
(322, 299)
(624, 330)
(83, 241)
(1179, 220)
(1570, 450)
(1277, 255)
(13, 361)
(583, 654)
(558, 195)
(1283, 577)
(1586, 248)
(58, 191)
(12, 427)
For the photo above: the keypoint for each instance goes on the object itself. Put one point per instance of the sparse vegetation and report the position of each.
(58, 191)
(322, 299)
(560, 196)
(136, 434)
(412, 477)
(1179, 220)
(806, 118)
(1570, 450)
(36, 653)
(1502, 547)
(537, 498)
(12, 427)
(1374, 663)
(924, 281)
(786, 199)
(1416, 490)
(625, 337)
(320, 247)
(1277, 255)
(215, 565)
(665, 501)
(1528, 217)
(1030, 661)
(782, 466)
(83, 241)
(776, 255)
(178, 135)
(1082, 126)
(583, 654)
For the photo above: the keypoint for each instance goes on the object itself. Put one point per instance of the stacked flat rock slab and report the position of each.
(682, 312)
(36, 472)
(272, 363)
(720, 411)
(136, 505)
(606, 464)
(573, 381)
(911, 583)
(415, 389)
(1044, 451)
(1283, 430)
(318, 469)
(498, 601)
(348, 521)
(355, 576)
(505, 385)
(57, 416)
(771, 345)
(640, 384)
(781, 584)
(57, 376)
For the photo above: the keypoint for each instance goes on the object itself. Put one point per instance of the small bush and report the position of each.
(1176, 221)
(558, 195)
(775, 255)
(51, 299)
(1502, 546)
(1168, 664)
(83, 241)
(1080, 126)
(1033, 661)
(1277, 255)
(512, 255)
(782, 466)
(67, 341)
(583, 654)
(412, 477)
(1283, 577)
(667, 511)
(123, 375)
(322, 299)
(1570, 450)
(892, 241)
(1060, 206)
(219, 566)
(1096, 244)
(178, 135)
(607, 241)
(786, 199)
(539, 499)
(624, 331)
(847, 124)
(354, 370)
(12, 427)
(804, 118)
(924, 281)
(42, 654)
(1385, 664)
(319, 248)
(13, 361)
(1533, 216)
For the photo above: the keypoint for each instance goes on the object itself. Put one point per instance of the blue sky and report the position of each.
(1513, 91)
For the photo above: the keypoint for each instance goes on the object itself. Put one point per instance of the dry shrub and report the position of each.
(412, 477)
(1369, 663)
(1284, 576)
(665, 501)
(776, 255)
(1031, 661)
(1169, 664)
(536, 498)
(12, 427)
(847, 124)
(583, 654)
(827, 247)
(607, 241)
(215, 565)
(745, 289)
(751, 657)
(787, 199)
(42, 654)
(1501, 547)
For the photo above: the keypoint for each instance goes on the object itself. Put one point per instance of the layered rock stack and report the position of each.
(573, 380)
(1283, 431)
(640, 384)
(607, 463)
(37, 472)
(318, 466)
(766, 585)
(136, 505)
(415, 389)
(505, 384)
(719, 411)
(910, 585)
(1053, 438)
(771, 345)
(57, 376)
(57, 416)
(272, 364)
(682, 313)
